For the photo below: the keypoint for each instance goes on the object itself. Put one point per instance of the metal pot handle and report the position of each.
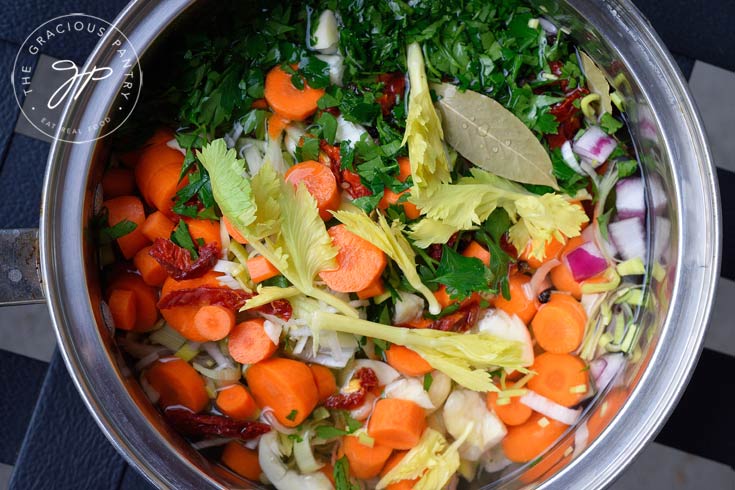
(20, 277)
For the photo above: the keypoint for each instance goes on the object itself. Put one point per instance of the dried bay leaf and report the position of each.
(597, 82)
(492, 137)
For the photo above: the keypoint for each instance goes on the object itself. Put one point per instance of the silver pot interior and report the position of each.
(683, 243)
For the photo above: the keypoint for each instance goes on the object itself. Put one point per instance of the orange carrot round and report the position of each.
(325, 382)
(406, 361)
(286, 386)
(560, 378)
(287, 100)
(236, 235)
(249, 343)
(127, 208)
(236, 402)
(157, 225)
(178, 383)
(513, 413)
(529, 440)
(164, 185)
(242, 460)
(359, 262)
(146, 313)
(477, 251)
(151, 161)
(150, 270)
(118, 182)
(181, 318)
(321, 184)
(214, 322)
(276, 125)
(376, 288)
(404, 168)
(389, 198)
(443, 297)
(123, 308)
(260, 269)
(552, 250)
(392, 462)
(607, 408)
(559, 325)
(365, 461)
(518, 304)
(397, 423)
(204, 229)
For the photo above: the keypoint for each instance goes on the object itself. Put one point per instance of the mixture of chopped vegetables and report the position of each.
(389, 245)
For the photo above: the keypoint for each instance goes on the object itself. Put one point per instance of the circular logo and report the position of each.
(51, 68)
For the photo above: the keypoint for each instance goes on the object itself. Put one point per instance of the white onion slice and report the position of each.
(581, 438)
(547, 26)
(273, 331)
(219, 441)
(267, 416)
(605, 369)
(568, 155)
(538, 281)
(595, 145)
(630, 198)
(586, 261)
(549, 408)
(385, 373)
(409, 389)
(629, 237)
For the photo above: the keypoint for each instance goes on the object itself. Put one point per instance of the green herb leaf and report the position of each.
(292, 415)
(462, 275)
(352, 424)
(341, 475)
(329, 432)
(626, 168)
(610, 124)
(428, 380)
(181, 237)
(119, 230)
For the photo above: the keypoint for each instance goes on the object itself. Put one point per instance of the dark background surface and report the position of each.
(59, 446)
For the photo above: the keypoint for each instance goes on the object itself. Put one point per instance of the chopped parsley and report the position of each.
(292, 415)
(119, 230)
(181, 237)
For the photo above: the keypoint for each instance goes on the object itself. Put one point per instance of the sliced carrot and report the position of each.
(123, 308)
(260, 269)
(607, 408)
(236, 402)
(561, 277)
(552, 251)
(276, 125)
(550, 463)
(205, 230)
(321, 184)
(214, 322)
(130, 159)
(164, 185)
(178, 383)
(249, 343)
(513, 413)
(442, 296)
(365, 461)
(390, 198)
(157, 225)
(127, 208)
(529, 440)
(162, 135)
(406, 361)
(146, 313)
(152, 159)
(376, 288)
(519, 304)
(259, 104)
(150, 270)
(181, 318)
(562, 378)
(286, 386)
(359, 262)
(324, 380)
(236, 235)
(392, 462)
(287, 100)
(404, 168)
(242, 460)
(559, 325)
(477, 251)
(118, 182)
(397, 423)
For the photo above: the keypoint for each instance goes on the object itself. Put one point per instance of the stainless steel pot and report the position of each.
(684, 239)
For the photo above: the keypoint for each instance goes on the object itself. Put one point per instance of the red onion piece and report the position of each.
(586, 261)
(630, 198)
(550, 409)
(629, 237)
(595, 145)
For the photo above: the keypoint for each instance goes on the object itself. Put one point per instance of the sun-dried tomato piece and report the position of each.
(568, 116)
(346, 179)
(177, 260)
(394, 85)
(349, 401)
(233, 299)
(202, 425)
(355, 187)
(461, 320)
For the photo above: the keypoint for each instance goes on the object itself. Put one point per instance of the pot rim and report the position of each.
(93, 368)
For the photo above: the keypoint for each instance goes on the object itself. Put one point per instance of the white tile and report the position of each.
(660, 467)
(27, 330)
(719, 335)
(5, 472)
(714, 91)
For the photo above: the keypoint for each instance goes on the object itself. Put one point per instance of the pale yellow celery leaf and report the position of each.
(230, 187)
(268, 294)
(423, 456)
(460, 356)
(424, 134)
(440, 474)
(393, 243)
(428, 231)
(266, 187)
